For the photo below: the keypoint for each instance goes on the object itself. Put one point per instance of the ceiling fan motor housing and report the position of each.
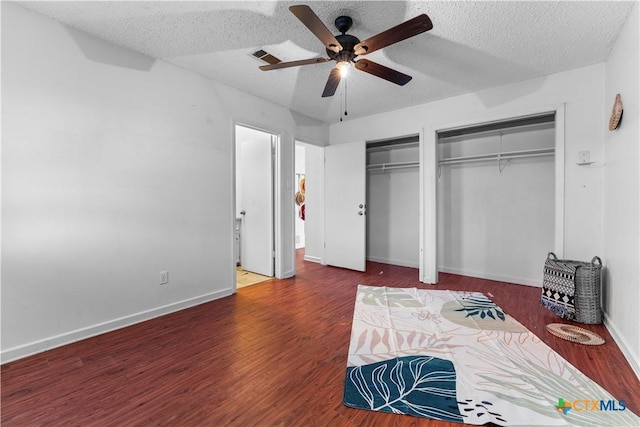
(347, 53)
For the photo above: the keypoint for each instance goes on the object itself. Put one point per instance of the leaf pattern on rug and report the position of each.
(423, 386)
(536, 384)
(372, 346)
(477, 312)
(479, 305)
(389, 297)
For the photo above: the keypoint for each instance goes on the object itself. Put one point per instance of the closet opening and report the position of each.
(393, 201)
(496, 196)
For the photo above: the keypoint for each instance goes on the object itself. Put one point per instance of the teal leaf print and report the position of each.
(422, 386)
(480, 305)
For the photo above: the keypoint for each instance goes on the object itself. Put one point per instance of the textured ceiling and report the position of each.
(474, 45)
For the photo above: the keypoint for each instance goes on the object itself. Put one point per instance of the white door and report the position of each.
(345, 206)
(254, 183)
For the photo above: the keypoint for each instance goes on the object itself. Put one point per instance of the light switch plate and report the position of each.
(584, 156)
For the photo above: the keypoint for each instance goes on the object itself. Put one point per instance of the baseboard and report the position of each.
(623, 345)
(497, 277)
(401, 263)
(313, 259)
(22, 351)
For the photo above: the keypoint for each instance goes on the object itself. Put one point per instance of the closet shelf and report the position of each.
(498, 156)
(371, 148)
(393, 165)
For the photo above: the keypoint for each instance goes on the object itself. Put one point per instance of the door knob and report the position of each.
(243, 212)
(361, 206)
(360, 213)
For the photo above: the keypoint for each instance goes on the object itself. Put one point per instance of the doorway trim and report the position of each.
(429, 158)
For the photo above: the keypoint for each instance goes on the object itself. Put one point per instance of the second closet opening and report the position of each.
(393, 201)
(496, 199)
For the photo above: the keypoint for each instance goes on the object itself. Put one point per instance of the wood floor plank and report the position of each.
(274, 354)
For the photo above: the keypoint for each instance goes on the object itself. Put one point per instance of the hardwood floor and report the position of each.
(274, 354)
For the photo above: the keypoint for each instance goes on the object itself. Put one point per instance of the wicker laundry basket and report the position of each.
(572, 289)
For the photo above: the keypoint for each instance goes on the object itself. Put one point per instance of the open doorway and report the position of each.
(254, 225)
(308, 202)
(299, 206)
(300, 196)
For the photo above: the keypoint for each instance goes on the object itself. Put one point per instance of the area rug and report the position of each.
(458, 357)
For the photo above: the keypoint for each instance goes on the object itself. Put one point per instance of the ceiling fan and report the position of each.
(344, 48)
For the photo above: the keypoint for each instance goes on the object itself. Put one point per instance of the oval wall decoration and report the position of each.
(616, 114)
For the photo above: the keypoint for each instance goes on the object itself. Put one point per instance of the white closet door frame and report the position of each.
(429, 158)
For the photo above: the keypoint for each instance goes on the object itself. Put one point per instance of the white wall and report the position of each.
(621, 293)
(115, 167)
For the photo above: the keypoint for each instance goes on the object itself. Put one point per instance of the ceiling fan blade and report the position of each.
(313, 23)
(410, 28)
(332, 83)
(292, 64)
(383, 72)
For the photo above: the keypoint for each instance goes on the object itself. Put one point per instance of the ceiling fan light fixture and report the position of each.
(344, 67)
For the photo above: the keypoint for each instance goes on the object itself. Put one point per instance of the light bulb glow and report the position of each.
(344, 67)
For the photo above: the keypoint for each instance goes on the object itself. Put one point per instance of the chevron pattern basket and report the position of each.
(572, 289)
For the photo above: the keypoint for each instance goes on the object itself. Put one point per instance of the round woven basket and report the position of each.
(575, 334)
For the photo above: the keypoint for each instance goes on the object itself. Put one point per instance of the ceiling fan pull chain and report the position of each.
(340, 111)
(345, 96)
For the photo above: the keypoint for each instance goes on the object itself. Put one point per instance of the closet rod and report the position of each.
(498, 156)
(394, 165)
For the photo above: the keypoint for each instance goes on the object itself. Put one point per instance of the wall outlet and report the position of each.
(164, 277)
